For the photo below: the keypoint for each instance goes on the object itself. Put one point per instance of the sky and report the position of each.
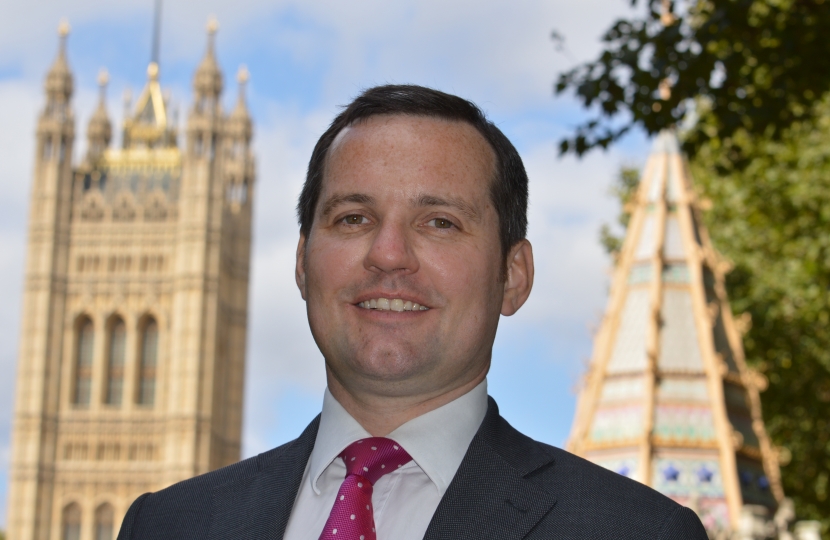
(307, 59)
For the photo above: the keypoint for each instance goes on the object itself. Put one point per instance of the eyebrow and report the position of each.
(461, 205)
(336, 200)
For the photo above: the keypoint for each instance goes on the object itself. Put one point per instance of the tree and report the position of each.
(747, 79)
(772, 220)
(752, 66)
(625, 188)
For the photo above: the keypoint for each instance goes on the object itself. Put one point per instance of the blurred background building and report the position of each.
(133, 336)
(669, 400)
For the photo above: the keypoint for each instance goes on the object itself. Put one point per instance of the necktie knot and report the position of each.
(352, 516)
(373, 457)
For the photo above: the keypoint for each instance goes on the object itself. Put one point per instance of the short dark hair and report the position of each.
(508, 189)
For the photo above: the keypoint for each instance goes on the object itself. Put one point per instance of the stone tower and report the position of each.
(668, 399)
(133, 335)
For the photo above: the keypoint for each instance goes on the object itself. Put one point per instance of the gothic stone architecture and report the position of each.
(132, 348)
(668, 399)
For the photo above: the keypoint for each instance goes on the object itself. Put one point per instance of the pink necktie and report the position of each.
(352, 517)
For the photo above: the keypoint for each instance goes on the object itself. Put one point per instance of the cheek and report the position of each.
(331, 266)
(466, 277)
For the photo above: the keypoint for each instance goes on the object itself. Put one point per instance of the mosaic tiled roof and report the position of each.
(668, 399)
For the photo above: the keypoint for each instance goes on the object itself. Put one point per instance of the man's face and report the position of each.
(404, 218)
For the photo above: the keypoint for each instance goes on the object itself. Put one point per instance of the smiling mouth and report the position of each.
(391, 304)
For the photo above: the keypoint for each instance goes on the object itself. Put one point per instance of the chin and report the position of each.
(392, 364)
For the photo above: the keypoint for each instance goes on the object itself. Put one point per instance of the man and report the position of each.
(412, 245)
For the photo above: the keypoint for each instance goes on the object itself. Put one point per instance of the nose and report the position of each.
(391, 250)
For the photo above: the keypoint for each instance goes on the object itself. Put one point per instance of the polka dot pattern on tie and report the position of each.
(366, 461)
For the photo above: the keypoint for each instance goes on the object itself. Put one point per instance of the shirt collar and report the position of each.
(437, 440)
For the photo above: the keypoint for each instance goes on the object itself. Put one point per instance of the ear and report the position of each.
(299, 267)
(519, 278)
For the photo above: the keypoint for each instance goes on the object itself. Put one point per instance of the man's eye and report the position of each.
(441, 223)
(354, 219)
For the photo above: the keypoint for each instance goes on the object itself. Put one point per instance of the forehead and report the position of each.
(410, 152)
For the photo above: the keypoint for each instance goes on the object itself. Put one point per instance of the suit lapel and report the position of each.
(258, 506)
(493, 494)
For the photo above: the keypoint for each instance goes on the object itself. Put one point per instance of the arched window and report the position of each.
(71, 522)
(149, 355)
(115, 363)
(83, 364)
(104, 522)
(47, 149)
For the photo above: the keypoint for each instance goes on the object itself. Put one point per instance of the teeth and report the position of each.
(393, 304)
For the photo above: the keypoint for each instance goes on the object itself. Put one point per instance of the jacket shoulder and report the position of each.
(183, 510)
(591, 501)
(604, 504)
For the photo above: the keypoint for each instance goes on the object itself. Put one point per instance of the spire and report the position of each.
(207, 82)
(669, 400)
(99, 130)
(241, 109)
(154, 55)
(59, 82)
(148, 126)
(238, 126)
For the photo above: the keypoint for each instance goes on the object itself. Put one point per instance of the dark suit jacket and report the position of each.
(507, 487)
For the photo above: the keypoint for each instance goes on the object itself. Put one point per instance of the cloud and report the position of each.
(487, 49)
(569, 201)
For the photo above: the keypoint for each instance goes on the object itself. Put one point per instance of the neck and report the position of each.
(381, 415)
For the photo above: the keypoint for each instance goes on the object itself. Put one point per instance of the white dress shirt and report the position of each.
(405, 499)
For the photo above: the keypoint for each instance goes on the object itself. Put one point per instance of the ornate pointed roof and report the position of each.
(99, 129)
(59, 82)
(239, 121)
(207, 81)
(668, 399)
(241, 109)
(149, 126)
